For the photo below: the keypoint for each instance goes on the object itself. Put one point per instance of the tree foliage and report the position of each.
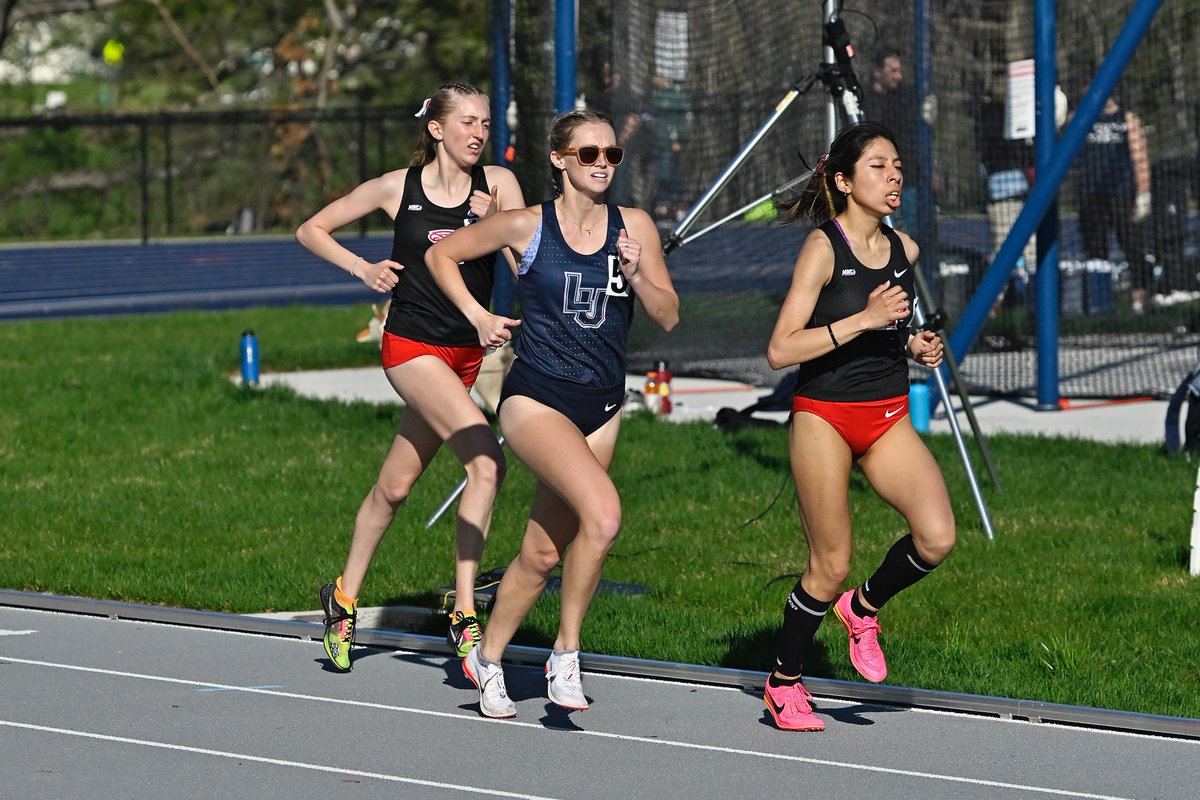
(180, 54)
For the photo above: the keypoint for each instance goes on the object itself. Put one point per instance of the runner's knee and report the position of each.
(828, 572)
(601, 526)
(934, 542)
(541, 561)
(392, 490)
(487, 471)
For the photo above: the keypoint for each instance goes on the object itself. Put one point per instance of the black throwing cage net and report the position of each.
(689, 83)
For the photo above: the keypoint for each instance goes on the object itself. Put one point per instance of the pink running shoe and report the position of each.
(865, 653)
(790, 708)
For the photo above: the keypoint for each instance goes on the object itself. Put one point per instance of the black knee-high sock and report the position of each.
(802, 615)
(901, 568)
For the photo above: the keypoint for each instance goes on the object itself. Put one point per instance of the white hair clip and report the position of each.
(424, 108)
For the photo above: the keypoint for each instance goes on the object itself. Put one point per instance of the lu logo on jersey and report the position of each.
(587, 304)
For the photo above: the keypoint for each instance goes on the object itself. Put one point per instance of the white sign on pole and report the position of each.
(1019, 107)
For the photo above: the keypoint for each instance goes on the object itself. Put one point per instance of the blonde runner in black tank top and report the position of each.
(420, 310)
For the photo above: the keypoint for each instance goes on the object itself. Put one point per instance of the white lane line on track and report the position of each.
(597, 734)
(279, 762)
(16, 633)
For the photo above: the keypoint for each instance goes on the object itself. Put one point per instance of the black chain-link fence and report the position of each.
(190, 174)
(699, 77)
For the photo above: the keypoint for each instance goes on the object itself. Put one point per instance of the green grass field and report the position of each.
(132, 468)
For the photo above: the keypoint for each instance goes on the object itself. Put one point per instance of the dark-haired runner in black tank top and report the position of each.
(845, 323)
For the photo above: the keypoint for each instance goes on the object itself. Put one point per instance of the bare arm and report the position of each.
(643, 264)
(924, 347)
(316, 233)
(792, 342)
(1138, 153)
(512, 229)
(506, 196)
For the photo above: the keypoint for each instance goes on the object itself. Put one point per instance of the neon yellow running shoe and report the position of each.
(464, 633)
(339, 628)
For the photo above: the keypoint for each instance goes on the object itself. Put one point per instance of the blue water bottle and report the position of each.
(918, 407)
(249, 358)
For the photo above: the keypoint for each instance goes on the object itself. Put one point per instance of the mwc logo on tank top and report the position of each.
(438, 235)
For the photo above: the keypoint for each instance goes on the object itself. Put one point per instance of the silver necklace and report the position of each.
(578, 224)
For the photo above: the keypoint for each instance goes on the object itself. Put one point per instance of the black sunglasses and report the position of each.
(589, 153)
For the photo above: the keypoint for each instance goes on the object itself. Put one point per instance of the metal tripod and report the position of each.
(450, 498)
(935, 323)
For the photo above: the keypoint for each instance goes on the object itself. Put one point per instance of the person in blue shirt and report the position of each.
(583, 263)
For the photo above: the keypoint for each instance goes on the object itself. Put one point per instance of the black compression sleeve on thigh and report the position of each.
(802, 615)
(901, 568)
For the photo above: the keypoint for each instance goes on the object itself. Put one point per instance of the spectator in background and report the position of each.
(890, 100)
(1114, 193)
(1008, 166)
(672, 108)
(622, 105)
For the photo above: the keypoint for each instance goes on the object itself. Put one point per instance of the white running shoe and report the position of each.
(489, 680)
(564, 685)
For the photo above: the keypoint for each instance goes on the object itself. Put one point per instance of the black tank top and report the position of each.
(420, 310)
(872, 365)
(1105, 165)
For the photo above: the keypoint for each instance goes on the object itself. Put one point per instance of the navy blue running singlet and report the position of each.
(576, 308)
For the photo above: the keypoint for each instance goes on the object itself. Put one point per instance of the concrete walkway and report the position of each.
(1139, 422)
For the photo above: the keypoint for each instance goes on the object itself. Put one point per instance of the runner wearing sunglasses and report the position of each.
(583, 263)
(589, 154)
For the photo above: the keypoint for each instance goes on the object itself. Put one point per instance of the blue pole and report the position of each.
(1050, 179)
(924, 231)
(501, 80)
(1045, 79)
(564, 55)
(504, 288)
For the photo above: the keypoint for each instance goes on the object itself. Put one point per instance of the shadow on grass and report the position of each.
(756, 651)
(758, 450)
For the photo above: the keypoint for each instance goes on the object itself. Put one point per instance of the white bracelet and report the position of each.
(355, 264)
